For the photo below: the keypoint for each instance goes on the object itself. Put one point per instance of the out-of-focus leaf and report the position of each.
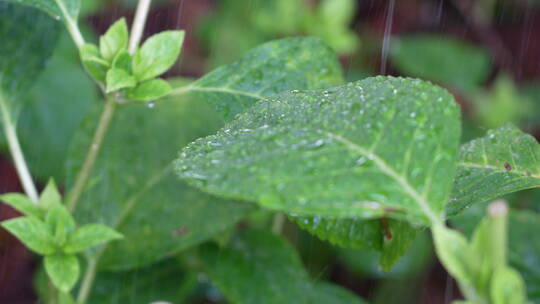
(260, 267)
(524, 249)
(55, 8)
(166, 281)
(28, 38)
(89, 236)
(326, 152)
(507, 287)
(134, 190)
(32, 232)
(115, 40)
(22, 203)
(505, 161)
(442, 59)
(63, 269)
(286, 64)
(149, 90)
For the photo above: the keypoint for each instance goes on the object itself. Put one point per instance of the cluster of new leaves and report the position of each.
(50, 230)
(133, 75)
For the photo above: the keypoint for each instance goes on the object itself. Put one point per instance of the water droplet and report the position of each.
(413, 115)
(150, 104)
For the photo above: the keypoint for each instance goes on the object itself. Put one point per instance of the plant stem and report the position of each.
(71, 24)
(88, 280)
(95, 147)
(138, 24)
(498, 211)
(17, 154)
(277, 225)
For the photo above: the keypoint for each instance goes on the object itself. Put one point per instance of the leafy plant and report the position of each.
(368, 164)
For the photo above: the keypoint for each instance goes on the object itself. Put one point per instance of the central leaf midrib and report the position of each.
(389, 171)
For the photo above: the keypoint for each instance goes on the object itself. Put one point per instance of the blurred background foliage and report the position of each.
(485, 52)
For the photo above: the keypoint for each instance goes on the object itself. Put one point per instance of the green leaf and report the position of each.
(392, 238)
(119, 79)
(505, 161)
(158, 214)
(507, 287)
(63, 270)
(276, 66)
(326, 152)
(50, 195)
(157, 54)
(454, 253)
(28, 38)
(444, 59)
(164, 282)
(89, 236)
(22, 203)
(60, 223)
(122, 61)
(55, 8)
(32, 232)
(262, 268)
(93, 63)
(524, 249)
(115, 40)
(149, 90)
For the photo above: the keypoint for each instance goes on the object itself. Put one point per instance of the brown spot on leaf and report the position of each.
(181, 231)
(386, 228)
(507, 166)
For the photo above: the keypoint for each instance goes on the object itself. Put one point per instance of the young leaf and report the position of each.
(63, 270)
(507, 287)
(122, 61)
(149, 90)
(89, 236)
(157, 54)
(23, 204)
(151, 206)
(50, 195)
(93, 63)
(32, 232)
(326, 153)
(448, 61)
(276, 66)
(115, 40)
(60, 223)
(262, 268)
(55, 8)
(119, 79)
(29, 38)
(505, 161)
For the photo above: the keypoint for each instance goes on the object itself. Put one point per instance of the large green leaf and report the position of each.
(28, 38)
(133, 189)
(262, 268)
(443, 59)
(65, 9)
(505, 161)
(381, 146)
(166, 281)
(524, 249)
(286, 64)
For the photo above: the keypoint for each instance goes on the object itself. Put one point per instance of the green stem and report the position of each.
(138, 24)
(17, 154)
(277, 225)
(498, 211)
(95, 147)
(71, 24)
(88, 279)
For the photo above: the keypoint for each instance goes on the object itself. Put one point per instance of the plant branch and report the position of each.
(88, 279)
(138, 24)
(71, 24)
(17, 154)
(95, 147)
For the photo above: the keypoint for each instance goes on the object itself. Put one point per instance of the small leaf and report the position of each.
(114, 40)
(122, 61)
(149, 90)
(32, 232)
(93, 63)
(89, 236)
(60, 223)
(50, 195)
(325, 152)
(260, 267)
(63, 270)
(507, 287)
(454, 253)
(157, 54)
(23, 204)
(119, 79)
(505, 161)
